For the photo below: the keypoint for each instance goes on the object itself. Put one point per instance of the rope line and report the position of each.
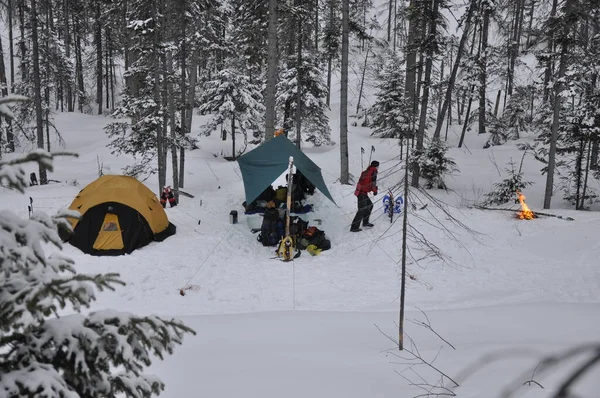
(206, 259)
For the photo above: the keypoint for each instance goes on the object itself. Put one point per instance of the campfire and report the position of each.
(525, 213)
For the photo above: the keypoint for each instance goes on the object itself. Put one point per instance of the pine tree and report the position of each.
(388, 114)
(234, 104)
(42, 354)
(315, 122)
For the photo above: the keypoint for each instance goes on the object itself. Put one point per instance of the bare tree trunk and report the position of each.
(389, 25)
(4, 85)
(188, 114)
(330, 57)
(551, 40)
(299, 83)
(79, 66)
(37, 95)
(9, 131)
(107, 70)
(233, 156)
(46, 77)
(594, 155)
(162, 175)
(183, 121)
(11, 45)
(67, 39)
(449, 120)
(558, 84)
(112, 78)
(497, 106)
(22, 43)
(463, 39)
(530, 26)
(442, 66)
(329, 66)
(411, 64)
(364, 24)
(483, 73)
(426, 85)
(99, 69)
(126, 40)
(173, 127)
(404, 250)
(344, 172)
(513, 45)
(316, 5)
(579, 172)
(165, 114)
(467, 117)
(587, 173)
(271, 89)
(395, 23)
(362, 80)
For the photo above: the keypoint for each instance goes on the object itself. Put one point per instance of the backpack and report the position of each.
(271, 229)
(314, 236)
(297, 226)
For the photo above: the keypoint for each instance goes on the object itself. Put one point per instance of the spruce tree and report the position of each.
(388, 114)
(505, 190)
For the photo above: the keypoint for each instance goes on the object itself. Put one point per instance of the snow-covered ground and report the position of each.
(321, 326)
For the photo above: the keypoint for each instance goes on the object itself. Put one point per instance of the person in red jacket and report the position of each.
(366, 183)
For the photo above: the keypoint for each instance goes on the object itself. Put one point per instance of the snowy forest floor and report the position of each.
(308, 328)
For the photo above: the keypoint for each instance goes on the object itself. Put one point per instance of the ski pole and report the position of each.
(362, 151)
(372, 150)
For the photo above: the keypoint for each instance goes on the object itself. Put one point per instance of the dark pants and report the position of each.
(365, 206)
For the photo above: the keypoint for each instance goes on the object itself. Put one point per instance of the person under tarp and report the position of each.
(265, 163)
(300, 187)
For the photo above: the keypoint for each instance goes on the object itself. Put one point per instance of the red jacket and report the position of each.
(367, 182)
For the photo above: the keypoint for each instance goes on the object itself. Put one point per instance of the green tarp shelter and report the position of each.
(265, 163)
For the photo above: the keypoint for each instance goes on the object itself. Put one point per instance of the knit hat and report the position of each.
(374, 163)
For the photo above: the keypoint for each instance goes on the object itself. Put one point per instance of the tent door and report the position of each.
(109, 237)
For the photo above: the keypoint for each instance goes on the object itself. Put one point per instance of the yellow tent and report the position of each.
(118, 215)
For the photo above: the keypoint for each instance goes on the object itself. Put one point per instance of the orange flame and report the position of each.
(525, 213)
